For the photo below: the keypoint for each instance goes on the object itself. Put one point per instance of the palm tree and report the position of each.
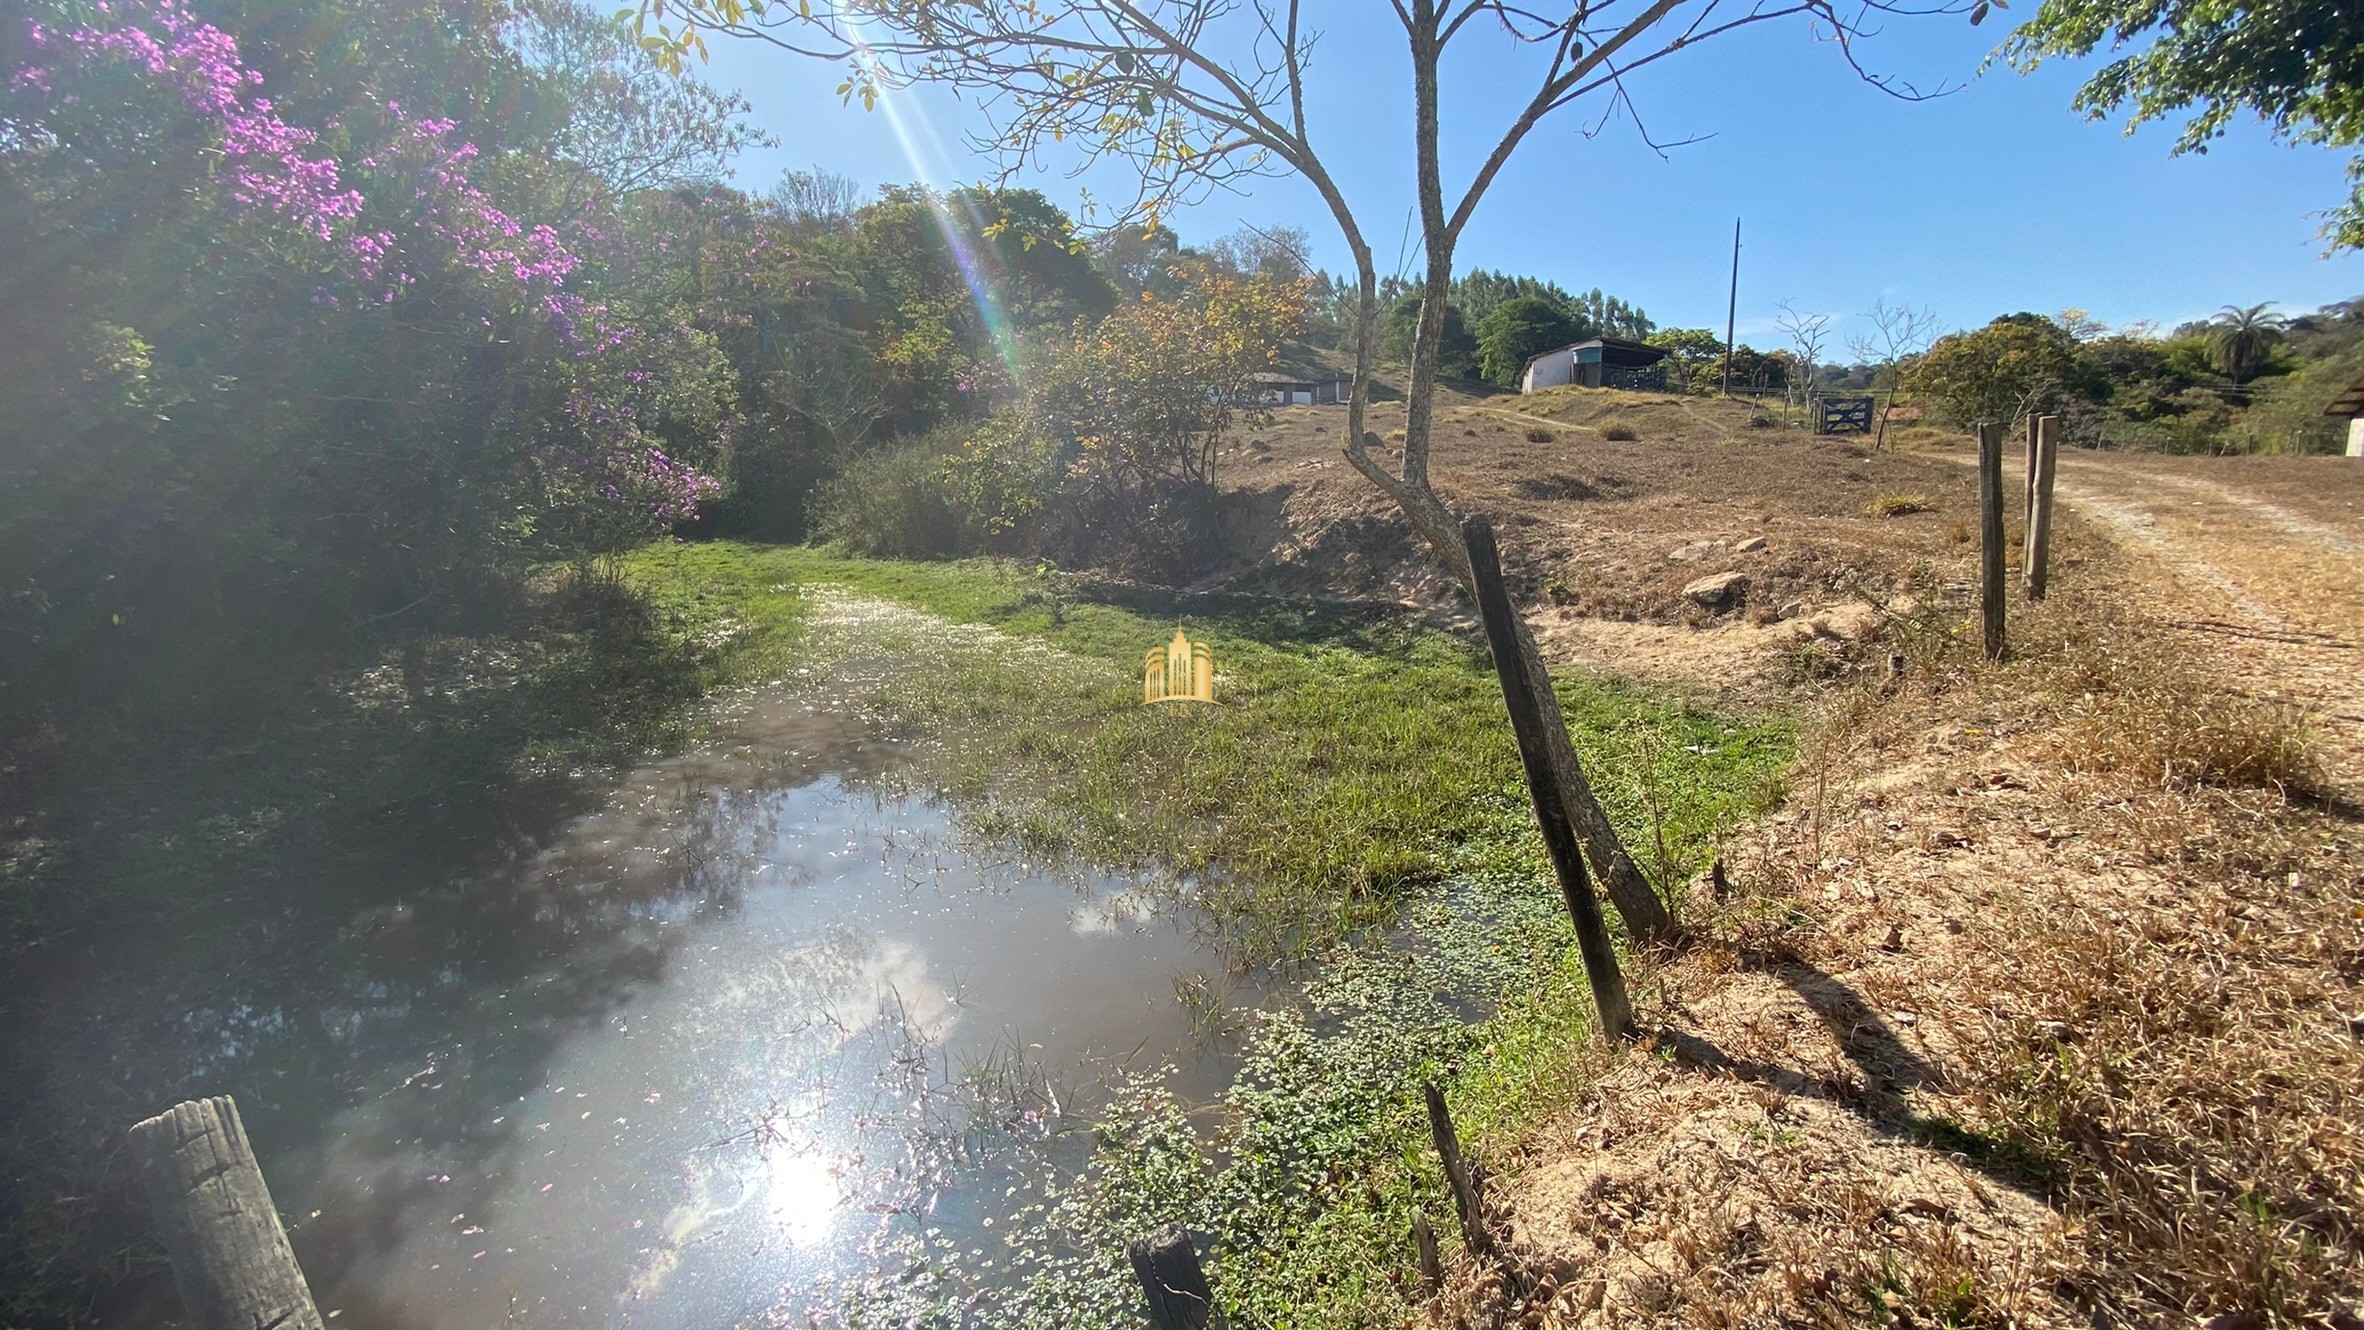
(2244, 339)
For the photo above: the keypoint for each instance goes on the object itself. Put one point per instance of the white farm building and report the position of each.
(1598, 362)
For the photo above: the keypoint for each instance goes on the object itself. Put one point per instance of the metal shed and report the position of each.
(1597, 362)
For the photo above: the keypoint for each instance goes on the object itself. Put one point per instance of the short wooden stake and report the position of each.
(1990, 538)
(1543, 786)
(1466, 1201)
(1171, 1279)
(2036, 563)
(1432, 1266)
(213, 1213)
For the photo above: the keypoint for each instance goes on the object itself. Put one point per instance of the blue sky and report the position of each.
(1995, 198)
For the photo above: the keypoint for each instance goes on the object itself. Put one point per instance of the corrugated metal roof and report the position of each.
(2349, 403)
(1655, 353)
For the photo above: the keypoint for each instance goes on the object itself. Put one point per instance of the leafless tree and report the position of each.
(1899, 335)
(1201, 95)
(1282, 252)
(821, 200)
(1806, 333)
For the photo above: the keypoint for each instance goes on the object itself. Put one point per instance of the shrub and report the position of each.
(1621, 432)
(1008, 478)
(1899, 505)
(895, 503)
(1540, 435)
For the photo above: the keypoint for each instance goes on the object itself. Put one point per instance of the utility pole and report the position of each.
(1732, 310)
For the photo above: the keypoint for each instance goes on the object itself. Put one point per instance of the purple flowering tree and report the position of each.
(371, 229)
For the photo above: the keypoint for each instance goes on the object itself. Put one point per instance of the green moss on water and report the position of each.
(1355, 801)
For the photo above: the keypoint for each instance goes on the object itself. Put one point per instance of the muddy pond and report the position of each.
(754, 1030)
(759, 1033)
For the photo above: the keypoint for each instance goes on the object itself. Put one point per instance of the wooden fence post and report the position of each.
(1990, 537)
(1171, 1279)
(1466, 1200)
(2027, 482)
(213, 1213)
(2036, 562)
(1543, 788)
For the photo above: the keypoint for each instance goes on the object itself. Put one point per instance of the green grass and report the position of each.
(1354, 752)
(1359, 774)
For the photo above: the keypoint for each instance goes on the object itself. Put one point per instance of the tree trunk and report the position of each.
(1645, 916)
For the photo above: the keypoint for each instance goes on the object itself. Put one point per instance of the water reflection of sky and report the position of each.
(691, 1058)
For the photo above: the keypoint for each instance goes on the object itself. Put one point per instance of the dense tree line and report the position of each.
(2244, 381)
(1494, 322)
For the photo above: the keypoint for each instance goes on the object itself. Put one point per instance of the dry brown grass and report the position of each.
(1612, 502)
(1913, 436)
(2040, 1003)
(2172, 728)
(1898, 505)
(2182, 1070)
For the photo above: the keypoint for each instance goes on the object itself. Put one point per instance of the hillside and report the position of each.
(1609, 503)
(2036, 1000)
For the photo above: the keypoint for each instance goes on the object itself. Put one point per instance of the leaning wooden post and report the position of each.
(1543, 788)
(2037, 561)
(1990, 537)
(1466, 1201)
(1171, 1279)
(229, 1255)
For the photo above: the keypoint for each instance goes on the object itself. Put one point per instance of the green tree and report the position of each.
(1610, 317)
(2016, 364)
(1758, 371)
(1399, 336)
(2287, 413)
(2298, 65)
(1697, 354)
(1141, 261)
(1516, 331)
(1478, 291)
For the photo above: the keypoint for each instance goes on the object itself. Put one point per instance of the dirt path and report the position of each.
(1947, 937)
(2267, 598)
